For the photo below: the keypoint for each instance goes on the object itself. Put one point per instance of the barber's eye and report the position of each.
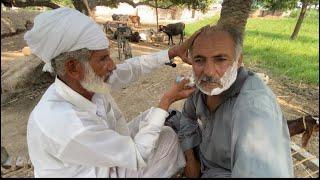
(104, 58)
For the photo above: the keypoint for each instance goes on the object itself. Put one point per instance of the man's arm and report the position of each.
(100, 146)
(261, 143)
(132, 69)
(193, 167)
(190, 137)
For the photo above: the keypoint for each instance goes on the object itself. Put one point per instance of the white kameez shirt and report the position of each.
(70, 136)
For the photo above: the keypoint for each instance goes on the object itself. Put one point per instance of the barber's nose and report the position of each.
(111, 65)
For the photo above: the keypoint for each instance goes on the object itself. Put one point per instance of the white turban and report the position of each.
(63, 30)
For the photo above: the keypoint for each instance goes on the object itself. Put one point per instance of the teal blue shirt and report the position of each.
(245, 136)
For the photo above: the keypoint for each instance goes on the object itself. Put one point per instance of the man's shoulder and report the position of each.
(51, 104)
(53, 113)
(255, 93)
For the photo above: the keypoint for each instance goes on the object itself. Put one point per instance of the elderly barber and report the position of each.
(77, 130)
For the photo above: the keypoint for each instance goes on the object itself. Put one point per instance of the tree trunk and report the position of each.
(80, 6)
(193, 13)
(300, 20)
(156, 2)
(235, 13)
(85, 2)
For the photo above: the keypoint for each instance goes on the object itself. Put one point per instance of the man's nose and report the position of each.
(210, 69)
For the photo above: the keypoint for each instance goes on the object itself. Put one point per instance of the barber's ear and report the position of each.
(74, 69)
(240, 62)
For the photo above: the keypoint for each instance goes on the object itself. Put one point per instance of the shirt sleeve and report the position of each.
(101, 147)
(261, 143)
(132, 69)
(189, 133)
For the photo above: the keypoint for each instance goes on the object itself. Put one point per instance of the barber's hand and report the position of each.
(181, 50)
(192, 168)
(177, 92)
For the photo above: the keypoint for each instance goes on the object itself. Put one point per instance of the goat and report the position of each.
(120, 17)
(135, 37)
(306, 125)
(173, 30)
(135, 20)
(147, 34)
(28, 25)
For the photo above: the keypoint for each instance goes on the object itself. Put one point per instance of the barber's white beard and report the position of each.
(226, 81)
(92, 82)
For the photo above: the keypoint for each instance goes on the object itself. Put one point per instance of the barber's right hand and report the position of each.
(177, 92)
(181, 50)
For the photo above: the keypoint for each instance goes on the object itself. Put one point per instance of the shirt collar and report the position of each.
(73, 97)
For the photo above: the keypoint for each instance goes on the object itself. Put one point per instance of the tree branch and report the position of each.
(46, 3)
(147, 3)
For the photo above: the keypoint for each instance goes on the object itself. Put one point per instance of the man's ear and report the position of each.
(240, 61)
(74, 69)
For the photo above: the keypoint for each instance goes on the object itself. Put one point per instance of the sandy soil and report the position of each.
(138, 97)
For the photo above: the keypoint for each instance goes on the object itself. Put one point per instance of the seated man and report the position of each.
(77, 130)
(241, 130)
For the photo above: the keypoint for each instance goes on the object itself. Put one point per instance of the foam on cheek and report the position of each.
(226, 81)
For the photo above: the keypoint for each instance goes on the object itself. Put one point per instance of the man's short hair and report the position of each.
(235, 33)
(59, 61)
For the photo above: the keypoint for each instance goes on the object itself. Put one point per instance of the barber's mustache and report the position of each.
(107, 76)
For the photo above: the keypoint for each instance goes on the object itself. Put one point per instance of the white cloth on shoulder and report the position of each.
(63, 30)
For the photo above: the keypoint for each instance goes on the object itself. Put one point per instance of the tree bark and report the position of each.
(300, 20)
(235, 13)
(156, 2)
(85, 2)
(193, 13)
(22, 4)
(80, 6)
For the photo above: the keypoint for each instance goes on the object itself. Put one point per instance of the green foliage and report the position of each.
(201, 5)
(311, 15)
(108, 3)
(267, 45)
(64, 3)
(193, 27)
(273, 5)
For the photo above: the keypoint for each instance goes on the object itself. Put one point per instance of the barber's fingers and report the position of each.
(187, 92)
(184, 90)
(188, 43)
(190, 40)
(185, 58)
(182, 84)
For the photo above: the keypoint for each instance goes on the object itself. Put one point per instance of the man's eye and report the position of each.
(221, 59)
(198, 60)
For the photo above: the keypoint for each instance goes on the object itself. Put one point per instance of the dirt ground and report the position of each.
(295, 99)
